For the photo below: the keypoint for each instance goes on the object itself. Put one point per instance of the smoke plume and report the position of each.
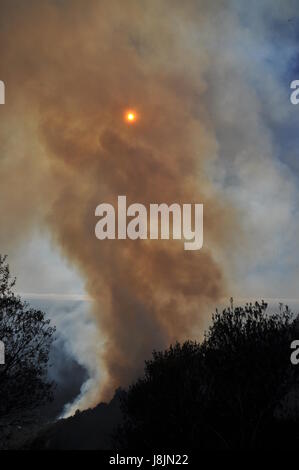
(71, 70)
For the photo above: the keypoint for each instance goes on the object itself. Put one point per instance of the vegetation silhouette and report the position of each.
(229, 392)
(27, 336)
(236, 389)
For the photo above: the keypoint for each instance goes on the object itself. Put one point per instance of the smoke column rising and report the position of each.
(72, 68)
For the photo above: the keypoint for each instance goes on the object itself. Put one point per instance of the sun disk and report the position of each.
(130, 116)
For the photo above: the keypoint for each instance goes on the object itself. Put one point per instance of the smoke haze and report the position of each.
(71, 70)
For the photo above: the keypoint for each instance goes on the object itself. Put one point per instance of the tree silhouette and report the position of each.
(27, 337)
(226, 392)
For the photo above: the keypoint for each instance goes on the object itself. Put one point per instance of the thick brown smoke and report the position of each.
(72, 68)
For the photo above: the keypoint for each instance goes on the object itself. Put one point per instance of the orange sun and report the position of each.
(130, 116)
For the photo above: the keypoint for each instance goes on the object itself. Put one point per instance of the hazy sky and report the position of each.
(256, 129)
(211, 84)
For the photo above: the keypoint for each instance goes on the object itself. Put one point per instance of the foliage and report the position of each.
(223, 393)
(27, 336)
